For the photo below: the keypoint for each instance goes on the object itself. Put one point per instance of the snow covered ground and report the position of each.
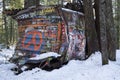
(6, 54)
(91, 69)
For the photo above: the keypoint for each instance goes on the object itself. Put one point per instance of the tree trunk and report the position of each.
(107, 29)
(111, 31)
(11, 30)
(90, 32)
(97, 22)
(118, 23)
(100, 7)
(5, 25)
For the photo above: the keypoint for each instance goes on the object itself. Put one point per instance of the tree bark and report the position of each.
(118, 23)
(105, 23)
(111, 31)
(11, 30)
(5, 25)
(97, 22)
(90, 32)
(100, 7)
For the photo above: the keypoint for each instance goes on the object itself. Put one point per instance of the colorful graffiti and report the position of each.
(32, 40)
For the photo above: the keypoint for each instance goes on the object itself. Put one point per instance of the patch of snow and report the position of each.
(6, 54)
(45, 55)
(23, 68)
(90, 69)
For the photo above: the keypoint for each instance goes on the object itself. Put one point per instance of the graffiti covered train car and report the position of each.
(46, 29)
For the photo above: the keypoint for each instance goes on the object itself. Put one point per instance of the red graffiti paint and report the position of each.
(32, 40)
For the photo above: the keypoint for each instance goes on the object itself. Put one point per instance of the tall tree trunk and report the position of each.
(100, 9)
(90, 32)
(2, 28)
(111, 31)
(118, 22)
(107, 29)
(97, 22)
(5, 25)
(11, 30)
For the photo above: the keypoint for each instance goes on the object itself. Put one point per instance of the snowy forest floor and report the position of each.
(90, 69)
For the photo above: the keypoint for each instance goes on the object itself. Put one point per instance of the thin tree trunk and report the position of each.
(14, 32)
(90, 32)
(118, 22)
(97, 22)
(103, 33)
(11, 30)
(2, 29)
(111, 31)
(5, 24)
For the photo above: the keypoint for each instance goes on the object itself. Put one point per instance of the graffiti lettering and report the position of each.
(33, 14)
(47, 10)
